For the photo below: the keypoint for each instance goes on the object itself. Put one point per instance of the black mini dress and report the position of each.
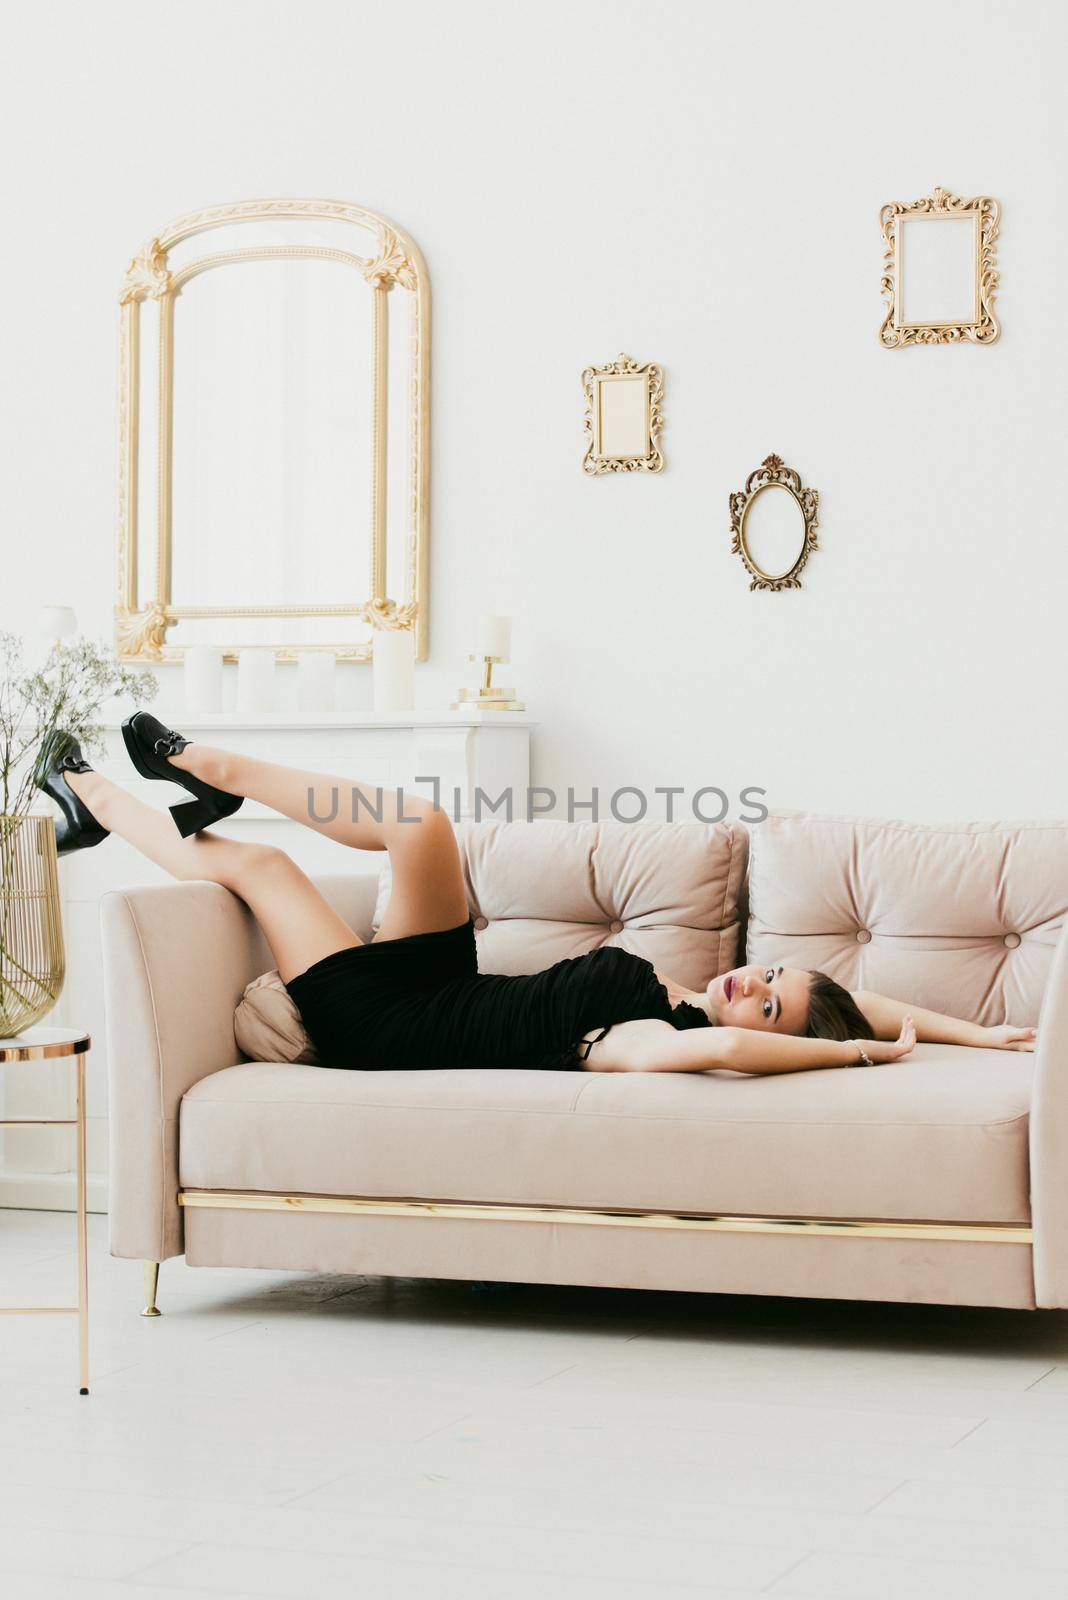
(420, 1002)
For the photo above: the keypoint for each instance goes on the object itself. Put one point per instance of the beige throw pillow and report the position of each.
(267, 1024)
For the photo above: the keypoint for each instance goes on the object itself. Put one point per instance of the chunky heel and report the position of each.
(193, 815)
(150, 745)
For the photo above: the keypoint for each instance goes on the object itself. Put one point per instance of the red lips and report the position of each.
(728, 989)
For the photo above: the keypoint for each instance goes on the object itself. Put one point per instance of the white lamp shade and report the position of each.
(495, 637)
(57, 621)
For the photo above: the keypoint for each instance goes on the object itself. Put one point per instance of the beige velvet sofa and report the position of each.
(943, 1178)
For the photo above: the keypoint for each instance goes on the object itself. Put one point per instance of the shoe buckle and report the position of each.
(172, 745)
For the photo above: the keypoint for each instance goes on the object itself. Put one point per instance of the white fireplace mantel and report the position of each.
(465, 751)
(219, 720)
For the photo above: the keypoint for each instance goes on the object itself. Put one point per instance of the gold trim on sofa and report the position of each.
(819, 1227)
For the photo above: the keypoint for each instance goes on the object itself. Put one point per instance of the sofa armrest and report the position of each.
(176, 960)
(1049, 1138)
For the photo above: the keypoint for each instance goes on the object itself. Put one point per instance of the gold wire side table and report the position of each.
(52, 1044)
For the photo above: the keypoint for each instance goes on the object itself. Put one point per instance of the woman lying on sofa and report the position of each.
(413, 997)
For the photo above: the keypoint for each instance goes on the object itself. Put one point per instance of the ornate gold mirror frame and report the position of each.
(623, 438)
(941, 206)
(142, 621)
(772, 474)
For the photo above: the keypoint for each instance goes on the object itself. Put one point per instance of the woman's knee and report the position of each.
(259, 863)
(423, 828)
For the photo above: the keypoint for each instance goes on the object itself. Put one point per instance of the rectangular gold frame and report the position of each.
(141, 627)
(966, 219)
(600, 385)
(595, 462)
(897, 334)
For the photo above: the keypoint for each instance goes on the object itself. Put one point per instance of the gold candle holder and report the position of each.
(489, 696)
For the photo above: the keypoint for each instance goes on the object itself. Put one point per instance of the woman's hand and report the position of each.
(1009, 1038)
(885, 1050)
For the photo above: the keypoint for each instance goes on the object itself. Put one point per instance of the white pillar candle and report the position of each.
(315, 680)
(495, 637)
(202, 676)
(255, 680)
(393, 669)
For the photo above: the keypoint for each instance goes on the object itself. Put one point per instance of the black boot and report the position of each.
(148, 744)
(77, 828)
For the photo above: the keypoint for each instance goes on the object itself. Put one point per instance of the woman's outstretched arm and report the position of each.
(932, 1027)
(649, 1045)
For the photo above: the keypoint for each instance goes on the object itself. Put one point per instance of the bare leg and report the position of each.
(428, 887)
(299, 925)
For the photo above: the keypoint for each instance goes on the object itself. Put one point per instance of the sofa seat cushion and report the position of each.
(940, 1137)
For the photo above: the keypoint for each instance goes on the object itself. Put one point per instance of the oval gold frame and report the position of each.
(773, 473)
(743, 538)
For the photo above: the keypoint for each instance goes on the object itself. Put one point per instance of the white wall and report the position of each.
(729, 230)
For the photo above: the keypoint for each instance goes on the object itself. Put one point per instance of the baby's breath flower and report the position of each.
(65, 693)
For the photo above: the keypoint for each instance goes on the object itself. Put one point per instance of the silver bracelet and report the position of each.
(865, 1058)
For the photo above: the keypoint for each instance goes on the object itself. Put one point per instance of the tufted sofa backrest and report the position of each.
(669, 892)
(962, 919)
(543, 891)
(958, 919)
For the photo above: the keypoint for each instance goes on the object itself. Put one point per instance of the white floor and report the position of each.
(292, 1435)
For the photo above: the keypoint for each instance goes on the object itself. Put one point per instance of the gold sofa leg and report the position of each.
(151, 1280)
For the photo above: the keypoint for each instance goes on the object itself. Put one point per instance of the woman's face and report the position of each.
(773, 998)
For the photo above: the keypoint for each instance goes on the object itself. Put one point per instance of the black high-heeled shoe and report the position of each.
(148, 744)
(77, 828)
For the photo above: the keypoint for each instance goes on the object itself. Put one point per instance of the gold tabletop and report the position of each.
(44, 1044)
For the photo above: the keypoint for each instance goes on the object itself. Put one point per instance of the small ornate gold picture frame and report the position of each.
(623, 417)
(940, 271)
(774, 513)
